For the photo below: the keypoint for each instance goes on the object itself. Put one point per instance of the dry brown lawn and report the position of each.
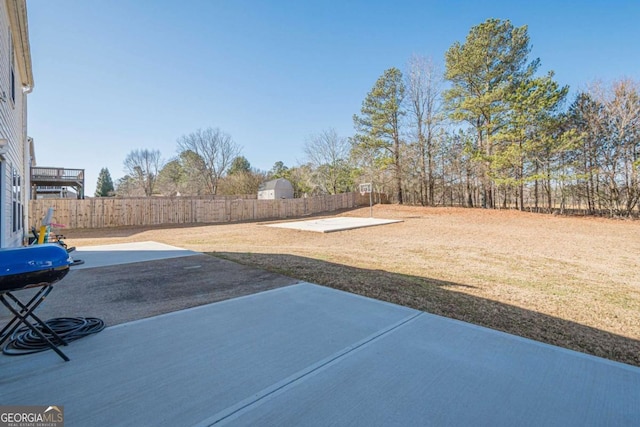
(568, 281)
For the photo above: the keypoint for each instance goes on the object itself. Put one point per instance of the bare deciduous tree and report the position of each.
(617, 128)
(215, 150)
(143, 166)
(424, 81)
(328, 154)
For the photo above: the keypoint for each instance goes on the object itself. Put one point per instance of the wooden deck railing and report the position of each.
(57, 174)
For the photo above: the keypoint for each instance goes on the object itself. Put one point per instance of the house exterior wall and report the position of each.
(16, 156)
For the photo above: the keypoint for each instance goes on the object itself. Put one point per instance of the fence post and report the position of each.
(139, 211)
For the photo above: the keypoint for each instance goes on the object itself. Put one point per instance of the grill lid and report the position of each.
(32, 265)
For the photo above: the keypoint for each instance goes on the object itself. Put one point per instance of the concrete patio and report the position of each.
(302, 354)
(329, 225)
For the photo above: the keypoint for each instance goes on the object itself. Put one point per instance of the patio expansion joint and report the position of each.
(262, 396)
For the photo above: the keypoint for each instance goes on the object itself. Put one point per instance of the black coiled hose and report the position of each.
(25, 341)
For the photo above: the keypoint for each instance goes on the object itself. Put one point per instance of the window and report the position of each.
(16, 201)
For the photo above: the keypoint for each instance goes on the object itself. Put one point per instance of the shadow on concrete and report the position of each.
(123, 293)
(448, 299)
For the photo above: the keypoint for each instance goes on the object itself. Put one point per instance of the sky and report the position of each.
(113, 76)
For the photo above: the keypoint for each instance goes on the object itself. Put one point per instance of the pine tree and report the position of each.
(483, 71)
(379, 126)
(104, 186)
(239, 165)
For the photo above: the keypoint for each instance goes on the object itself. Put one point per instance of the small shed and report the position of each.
(275, 189)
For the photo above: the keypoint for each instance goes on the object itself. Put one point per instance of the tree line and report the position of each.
(486, 131)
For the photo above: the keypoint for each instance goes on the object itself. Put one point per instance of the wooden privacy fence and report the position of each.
(117, 212)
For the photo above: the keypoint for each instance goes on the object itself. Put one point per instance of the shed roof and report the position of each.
(275, 183)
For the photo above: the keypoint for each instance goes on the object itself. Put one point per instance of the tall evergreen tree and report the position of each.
(279, 170)
(104, 185)
(378, 127)
(173, 179)
(528, 134)
(483, 70)
(239, 165)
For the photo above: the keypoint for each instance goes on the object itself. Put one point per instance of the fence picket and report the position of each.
(118, 212)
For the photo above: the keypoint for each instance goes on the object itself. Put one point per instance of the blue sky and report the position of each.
(114, 76)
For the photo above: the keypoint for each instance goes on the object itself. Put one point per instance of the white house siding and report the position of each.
(12, 128)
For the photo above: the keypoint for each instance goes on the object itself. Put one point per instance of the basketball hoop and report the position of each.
(365, 188)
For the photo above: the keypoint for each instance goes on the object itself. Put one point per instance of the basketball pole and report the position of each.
(364, 188)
